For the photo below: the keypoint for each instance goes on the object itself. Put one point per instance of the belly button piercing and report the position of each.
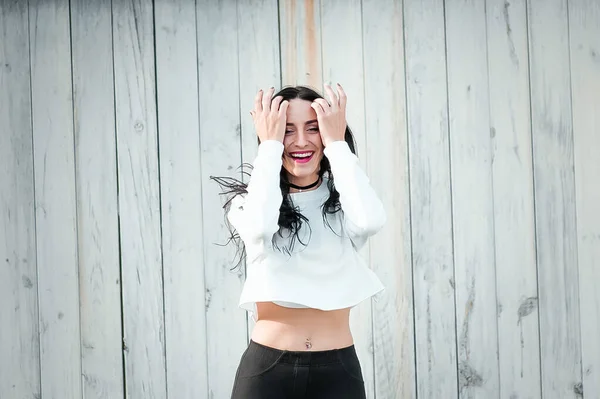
(308, 343)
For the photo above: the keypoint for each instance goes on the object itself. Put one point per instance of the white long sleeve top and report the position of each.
(328, 272)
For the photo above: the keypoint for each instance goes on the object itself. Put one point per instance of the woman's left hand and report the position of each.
(331, 116)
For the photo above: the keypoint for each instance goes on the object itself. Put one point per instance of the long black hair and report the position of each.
(290, 218)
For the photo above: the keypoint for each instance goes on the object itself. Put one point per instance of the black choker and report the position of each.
(301, 188)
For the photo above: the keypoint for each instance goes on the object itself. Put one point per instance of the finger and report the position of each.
(343, 97)
(258, 101)
(324, 104)
(283, 107)
(333, 98)
(318, 108)
(266, 100)
(276, 102)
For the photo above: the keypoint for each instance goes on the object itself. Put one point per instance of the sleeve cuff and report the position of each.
(336, 149)
(271, 148)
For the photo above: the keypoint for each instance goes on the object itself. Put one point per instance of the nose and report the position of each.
(302, 139)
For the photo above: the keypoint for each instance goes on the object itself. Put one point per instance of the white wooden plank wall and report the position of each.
(554, 182)
(97, 203)
(19, 325)
(514, 228)
(182, 218)
(300, 38)
(139, 199)
(475, 120)
(584, 34)
(430, 200)
(386, 152)
(55, 199)
(472, 199)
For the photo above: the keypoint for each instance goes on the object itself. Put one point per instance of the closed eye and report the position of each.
(313, 129)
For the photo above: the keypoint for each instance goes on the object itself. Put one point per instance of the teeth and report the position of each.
(302, 155)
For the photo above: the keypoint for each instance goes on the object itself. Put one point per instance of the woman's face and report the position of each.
(303, 148)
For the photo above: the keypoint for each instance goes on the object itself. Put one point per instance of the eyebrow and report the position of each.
(307, 122)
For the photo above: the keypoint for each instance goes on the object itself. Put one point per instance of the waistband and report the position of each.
(300, 357)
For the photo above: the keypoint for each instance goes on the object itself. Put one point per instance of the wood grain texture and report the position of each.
(476, 123)
(181, 196)
(55, 199)
(19, 340)
(139, 202)
(554, 199)
(472, 199)
(518, 329)
(584, 33)
(342, 57)
(386, 154)
(99, 271)
(259, 68)
(431, 201)
(220, 144)
(300, 42)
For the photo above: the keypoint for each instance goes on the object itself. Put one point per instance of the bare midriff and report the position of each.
(302, 329)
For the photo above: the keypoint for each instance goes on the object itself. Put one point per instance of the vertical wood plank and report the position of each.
(387, 158)
(584, 30)
(259, 61)
(472, 199)
(518, 329)
(19, 341)
(181, 196)
(342, 56)
(259, 67)
(139, 203)
(300, 30)
(431, 200)
(55, 199)
(554, 199)
(220, 144)
(99, 272)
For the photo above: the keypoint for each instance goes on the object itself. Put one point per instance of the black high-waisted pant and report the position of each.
(270, 373)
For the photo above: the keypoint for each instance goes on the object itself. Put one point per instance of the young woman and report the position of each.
(304, 214)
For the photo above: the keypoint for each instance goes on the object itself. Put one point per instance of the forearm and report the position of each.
(363, 211)
(255, 215)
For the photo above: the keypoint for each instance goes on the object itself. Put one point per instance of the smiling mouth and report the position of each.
(302, 157)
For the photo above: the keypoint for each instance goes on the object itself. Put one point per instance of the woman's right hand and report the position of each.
(269, 116)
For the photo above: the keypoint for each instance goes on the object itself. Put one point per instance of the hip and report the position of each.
(266, 372)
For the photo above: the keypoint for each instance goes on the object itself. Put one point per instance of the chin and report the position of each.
(302, 173)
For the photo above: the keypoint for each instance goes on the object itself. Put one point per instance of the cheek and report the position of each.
(286, 142)
(316, 140)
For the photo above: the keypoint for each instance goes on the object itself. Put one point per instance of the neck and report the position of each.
(308, 183)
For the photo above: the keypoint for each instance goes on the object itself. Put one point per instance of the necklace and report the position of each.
(302, 188)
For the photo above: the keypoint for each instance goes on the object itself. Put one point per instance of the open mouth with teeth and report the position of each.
(302, 157)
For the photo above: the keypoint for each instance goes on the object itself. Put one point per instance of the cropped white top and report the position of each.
(327, 272)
